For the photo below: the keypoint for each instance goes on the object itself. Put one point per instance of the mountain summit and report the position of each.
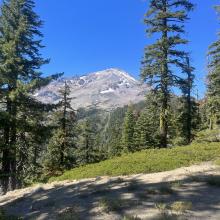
(107, 89)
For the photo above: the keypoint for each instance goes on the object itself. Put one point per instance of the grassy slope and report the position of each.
(147, 161)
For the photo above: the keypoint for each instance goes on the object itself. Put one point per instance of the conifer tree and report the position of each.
(214, 82)
(187, 105)
(113, 132)
(188, 94)
(180, 121)
(162, 59)
(146, 132)
(32, 134)
(20, 61)
(60, 153)
(128, 131)
(86, 152)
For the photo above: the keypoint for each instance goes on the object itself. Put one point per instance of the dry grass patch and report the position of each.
(164, 212)
(110, 205)
(162, 207)
(69, 214)
(176, 184)
(162, 190)
(130, 218)
(181, 206)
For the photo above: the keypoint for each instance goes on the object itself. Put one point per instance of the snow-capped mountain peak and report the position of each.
(116, 72)
(105, 89)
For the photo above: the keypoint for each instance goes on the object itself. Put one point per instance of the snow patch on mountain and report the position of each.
(107, 91)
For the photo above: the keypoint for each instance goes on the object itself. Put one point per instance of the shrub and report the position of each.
(208, 136)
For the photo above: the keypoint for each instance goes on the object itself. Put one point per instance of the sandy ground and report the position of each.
(142, 195)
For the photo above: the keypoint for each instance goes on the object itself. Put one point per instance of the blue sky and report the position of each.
(83, 36)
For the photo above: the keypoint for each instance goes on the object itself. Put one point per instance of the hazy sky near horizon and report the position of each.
(83, 36)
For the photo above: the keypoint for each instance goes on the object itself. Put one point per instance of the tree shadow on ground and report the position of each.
(115, 198)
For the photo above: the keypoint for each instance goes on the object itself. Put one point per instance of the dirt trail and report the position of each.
(112, 198)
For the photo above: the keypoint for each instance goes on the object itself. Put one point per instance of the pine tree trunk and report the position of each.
(5, 170)
(164, 84)
(9, 156)
(163, 122)
(6, 157)
(13, 148)
(211, 122)
(21, 161)
(22, 156)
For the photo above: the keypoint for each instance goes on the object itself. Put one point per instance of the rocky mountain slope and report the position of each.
(106, 89)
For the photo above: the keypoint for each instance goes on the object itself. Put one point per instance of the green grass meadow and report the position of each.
(146, 161)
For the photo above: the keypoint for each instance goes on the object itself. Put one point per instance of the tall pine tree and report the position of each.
(146, 132)
(61, 148)
(166, 19)
(187, 102)
(86, 152)
(214, 82)
(128, 131)
(20, 61)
